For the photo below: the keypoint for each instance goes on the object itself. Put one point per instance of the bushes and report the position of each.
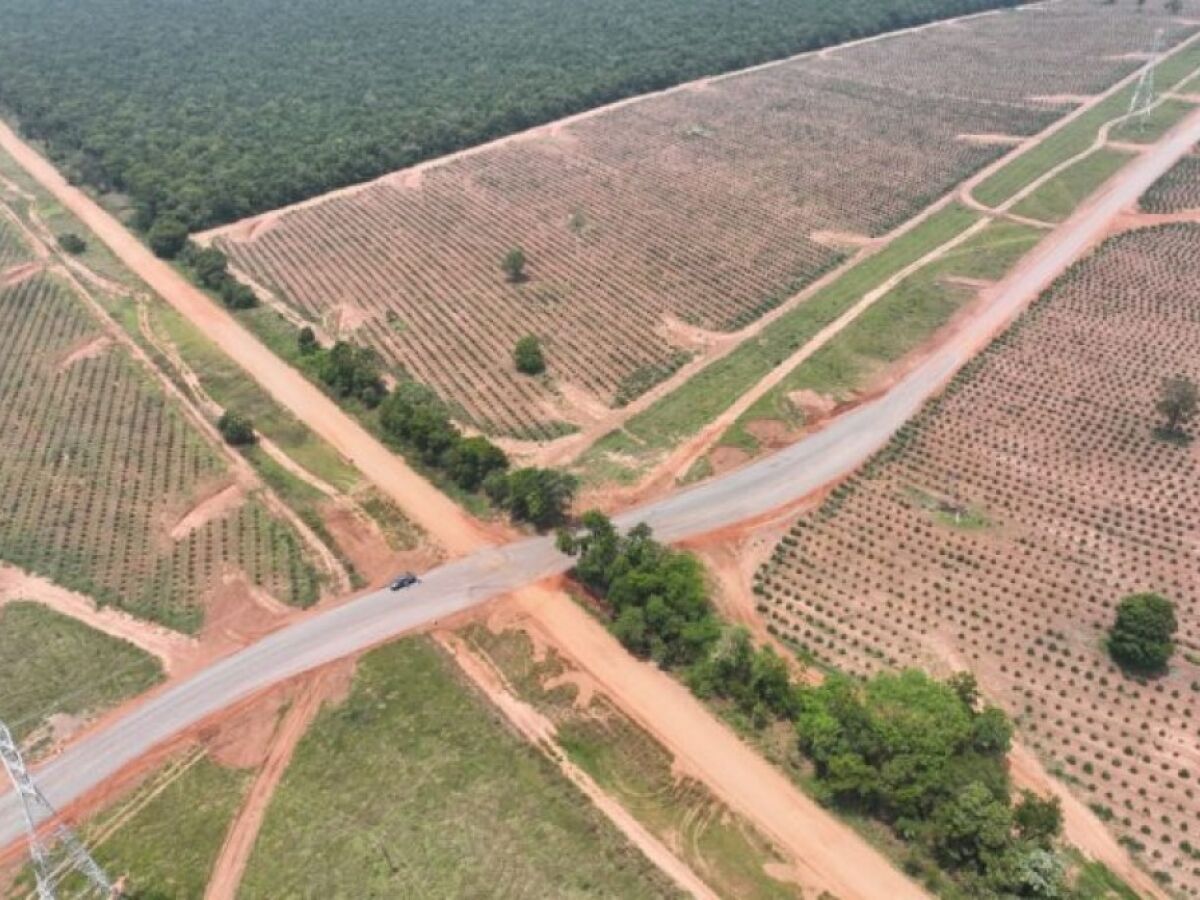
(657, 595)
(210, 268)
(527, 356)
(413, 416)
(1140, 639)
(72, 243)
(352, 371)
(236, 429)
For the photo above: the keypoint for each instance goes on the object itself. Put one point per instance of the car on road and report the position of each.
(400, 582)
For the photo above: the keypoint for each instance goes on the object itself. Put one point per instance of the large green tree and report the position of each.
(1142, 636)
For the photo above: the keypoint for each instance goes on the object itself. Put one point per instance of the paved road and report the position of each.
(758, 488)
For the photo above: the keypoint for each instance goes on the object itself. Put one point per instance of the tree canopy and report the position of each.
(1141, 638)
(210, 110)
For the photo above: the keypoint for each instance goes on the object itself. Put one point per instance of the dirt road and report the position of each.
(829, 855)
(420, 500)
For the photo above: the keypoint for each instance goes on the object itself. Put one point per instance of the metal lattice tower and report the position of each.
(34, 805)
(1145, 95)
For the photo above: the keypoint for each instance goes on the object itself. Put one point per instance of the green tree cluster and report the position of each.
(658, 596)
(1142, 637)
(414, 417)
(210, 268)
(206, 112)
(350, 371)
(920, 755)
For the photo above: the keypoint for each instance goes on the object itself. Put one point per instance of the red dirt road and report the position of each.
(828, 855)
(420, 500)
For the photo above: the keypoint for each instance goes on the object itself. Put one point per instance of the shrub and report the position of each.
(236, 429)
(528, 356)
(513, 265)
(72, 243)
(167, 236)
(1140, 639)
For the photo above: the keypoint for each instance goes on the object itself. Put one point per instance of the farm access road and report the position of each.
(741, 495)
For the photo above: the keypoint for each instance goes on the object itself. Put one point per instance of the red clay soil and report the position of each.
(329, 685)
(829, 855)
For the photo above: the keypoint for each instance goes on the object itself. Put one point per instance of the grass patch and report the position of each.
(1095, 881)
(896, 324)
(399, 532)
(1080, 134)
(636, 770)
(169, 846)
(229, 385)
(1057, 198)
(412, 788)
(1154, 124)
(716, 387)
(50, 663)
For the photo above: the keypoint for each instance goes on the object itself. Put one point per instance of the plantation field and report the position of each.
(52, 665)
(723, 849)
(895, 325)
(650, 226)
(100, 468)
(412, 787)
(1000, 528)
(1176, 191)
(205, 112)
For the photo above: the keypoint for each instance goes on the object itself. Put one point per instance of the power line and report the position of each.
(35, 806)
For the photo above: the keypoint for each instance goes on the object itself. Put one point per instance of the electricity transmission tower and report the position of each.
(1144, 96)
(34, 805)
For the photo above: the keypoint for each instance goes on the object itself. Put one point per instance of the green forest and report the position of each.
(205, 111)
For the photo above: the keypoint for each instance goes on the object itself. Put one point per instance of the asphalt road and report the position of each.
(740, 495)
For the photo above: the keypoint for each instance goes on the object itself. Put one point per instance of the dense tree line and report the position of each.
(416, 420)
(926, 757)
(206, 111)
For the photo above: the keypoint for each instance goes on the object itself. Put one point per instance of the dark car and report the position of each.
(408, 579)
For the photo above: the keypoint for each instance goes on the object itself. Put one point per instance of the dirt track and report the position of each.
(829, 855)
(421, 501)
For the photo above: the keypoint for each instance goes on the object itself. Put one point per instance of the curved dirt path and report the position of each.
(420, 500)
(172, 649)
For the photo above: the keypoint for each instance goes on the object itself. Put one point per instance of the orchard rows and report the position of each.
(702, 206)
(98, 466)
(1178, 190)
(999, 530)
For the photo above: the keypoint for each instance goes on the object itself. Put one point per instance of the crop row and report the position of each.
(1176, 191)
(999, 530)
(98, 466)
(703, 207)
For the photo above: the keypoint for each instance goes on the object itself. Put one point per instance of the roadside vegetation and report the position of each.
(895, 325)
(924, 758)
(636, 770)
(51, 665)
(466, 808)
(128, 121)
(1078, 135)
(1058, 197)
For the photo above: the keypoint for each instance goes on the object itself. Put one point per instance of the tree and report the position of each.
(471, 460)
(1141, 637)
(540, 497)
(306, 341)
(237, 295)
(528, 356)
(513, 265)
(971, 828)
(1038, 821)
(72, 243)
(167, 236)
(1174, 7)
(1178, 404)
(236, 429)
(210, 266)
